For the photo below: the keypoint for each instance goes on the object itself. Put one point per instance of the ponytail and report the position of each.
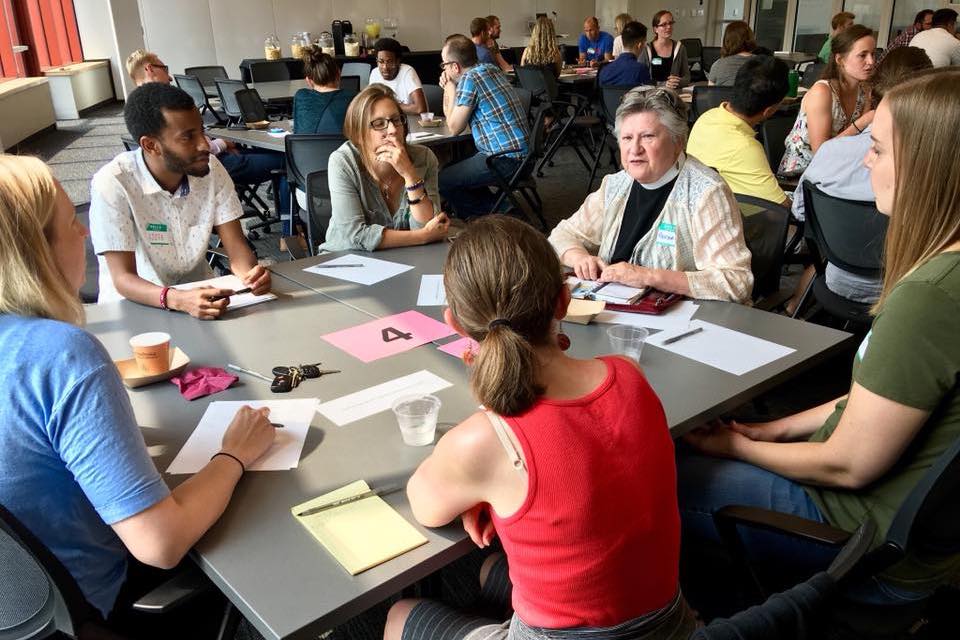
(502, 280)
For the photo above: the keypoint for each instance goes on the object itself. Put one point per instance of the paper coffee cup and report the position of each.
(152, 352)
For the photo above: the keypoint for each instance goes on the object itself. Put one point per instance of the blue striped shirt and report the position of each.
(497, 122)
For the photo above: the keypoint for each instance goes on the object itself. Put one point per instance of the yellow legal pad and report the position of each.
(360, 534)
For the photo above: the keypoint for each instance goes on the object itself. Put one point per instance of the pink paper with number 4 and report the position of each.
(458, 347)
(388, 336)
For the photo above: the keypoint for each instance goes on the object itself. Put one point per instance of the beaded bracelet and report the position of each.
(163, 298)
(416, 185)
(243, 467)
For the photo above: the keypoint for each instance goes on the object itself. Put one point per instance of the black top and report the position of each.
(643, 207)
(661, 72)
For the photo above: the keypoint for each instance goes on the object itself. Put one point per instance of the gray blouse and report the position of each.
(724, 71)
(359, 212)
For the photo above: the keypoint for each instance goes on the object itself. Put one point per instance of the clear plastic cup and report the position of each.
(417, 417)
(426, 116)
(627, 340)
(152, 352)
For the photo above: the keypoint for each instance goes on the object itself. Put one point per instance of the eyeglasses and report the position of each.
(162, 67)
(379, 124)
(667, 24)
(443, 65)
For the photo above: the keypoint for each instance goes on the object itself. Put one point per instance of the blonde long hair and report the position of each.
(542, 49)
(31, 283)
(522, 298)
(925, 218)
(621, 21)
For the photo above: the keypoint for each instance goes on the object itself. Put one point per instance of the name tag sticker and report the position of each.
(158, 234)
(591, 51)
(656, 61)
(667, 234)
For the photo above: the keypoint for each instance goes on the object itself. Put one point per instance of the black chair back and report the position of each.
(708, 97)
(36, 590)
(434, 97)
(350, 84)
(610, 99)
(811, 74)
(319, 209)
(774, 132)
(128, 142)
(710, 55)
(694, 48)
(765, 228)
(269, 71)
(307, 153)
(539, 81)
(525, 98)
(928, 520)
(207, 75)
(227, 89)
(250, 105)
(191, 84)
(848, 233)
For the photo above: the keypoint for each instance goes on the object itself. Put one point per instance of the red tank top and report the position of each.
(597, 540)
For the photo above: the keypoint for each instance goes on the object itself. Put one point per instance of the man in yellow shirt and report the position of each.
(724, 137)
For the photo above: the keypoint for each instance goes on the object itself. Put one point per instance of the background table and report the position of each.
(263, 140)
(278, 90)
(795, 58)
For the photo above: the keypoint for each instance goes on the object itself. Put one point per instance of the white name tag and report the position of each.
(591, 51)
(158, 234)
(657, 61)
(667, 234)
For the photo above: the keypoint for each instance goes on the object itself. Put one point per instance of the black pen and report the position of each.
(235, 293)
(682, 335)
(360, 496)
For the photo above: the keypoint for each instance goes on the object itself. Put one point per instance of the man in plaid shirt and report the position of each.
(479, 95)
(922, 22)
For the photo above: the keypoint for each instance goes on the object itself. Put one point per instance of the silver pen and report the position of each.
(250, 373)
(360, 496)
(682, 335)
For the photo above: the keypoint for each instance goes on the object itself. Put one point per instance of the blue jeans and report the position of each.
(253, 166)
(706, 484)
(464, 185)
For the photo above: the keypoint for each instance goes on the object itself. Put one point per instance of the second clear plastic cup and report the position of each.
(627, 340)
(417, 417)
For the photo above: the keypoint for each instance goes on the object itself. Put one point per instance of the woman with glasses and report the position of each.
(666, 57)
(383, 192)
(665, 221)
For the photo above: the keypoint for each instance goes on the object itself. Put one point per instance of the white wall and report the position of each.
(198, 32)
(110, 29)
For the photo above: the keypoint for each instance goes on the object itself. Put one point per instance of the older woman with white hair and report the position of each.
(665, 221)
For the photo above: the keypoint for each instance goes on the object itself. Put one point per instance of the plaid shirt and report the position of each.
(901, 40)
(497, 122)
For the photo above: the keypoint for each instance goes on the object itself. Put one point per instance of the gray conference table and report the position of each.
(279, 577)
(795, 58)
(691, 392)
(278, 90)
(436, 136)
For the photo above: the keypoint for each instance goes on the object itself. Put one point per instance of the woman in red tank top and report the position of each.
(571, 465)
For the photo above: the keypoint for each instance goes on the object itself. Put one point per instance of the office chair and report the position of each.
(849, 235)
(765, 226)
(522, 180)
(307, 153)
(191, 84)
(359, 69)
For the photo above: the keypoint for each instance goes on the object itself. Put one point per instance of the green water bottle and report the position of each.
(793, 81)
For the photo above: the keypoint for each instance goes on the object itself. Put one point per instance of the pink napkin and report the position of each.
(204, 381)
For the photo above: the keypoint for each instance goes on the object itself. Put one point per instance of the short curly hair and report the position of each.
(143, 112)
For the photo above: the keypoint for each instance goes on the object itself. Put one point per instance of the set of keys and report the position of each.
(288, 378)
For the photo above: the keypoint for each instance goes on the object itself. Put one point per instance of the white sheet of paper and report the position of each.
(371, 400)
(676, 317)
(372, 271)
(432, 293)
(422, 135)
(725, 349)
(230, 282)
(294, 415)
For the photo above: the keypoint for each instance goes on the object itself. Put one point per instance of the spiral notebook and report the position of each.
(361, 534)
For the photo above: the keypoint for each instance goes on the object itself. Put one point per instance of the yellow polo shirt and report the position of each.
(723, 141)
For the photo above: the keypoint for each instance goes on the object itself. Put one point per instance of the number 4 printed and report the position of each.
(389, 334)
